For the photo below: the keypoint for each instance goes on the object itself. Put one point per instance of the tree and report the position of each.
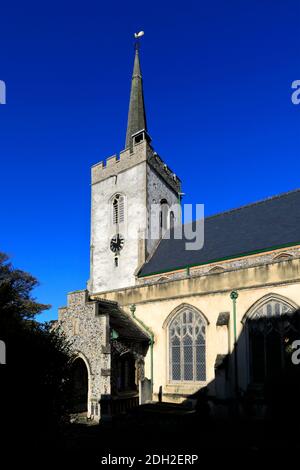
(35, 380)
(16, 287)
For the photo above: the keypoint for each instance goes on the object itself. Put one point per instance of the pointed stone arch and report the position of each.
(79, 354)
(186, 328)
(117, 204)
(216, 269)
(268, 330)
(163, 279)
(272, 297)
(180, 307)
(283, 256)
(81, 384)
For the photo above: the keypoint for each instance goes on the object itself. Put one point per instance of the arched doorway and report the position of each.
(79, 386)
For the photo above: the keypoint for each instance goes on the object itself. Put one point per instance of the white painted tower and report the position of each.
(123, 190)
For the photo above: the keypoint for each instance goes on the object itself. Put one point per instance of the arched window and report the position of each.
(270, 332)
(163, 216)
(118, 209)
(172, 218)
(216, 270)
(163, 278)
(282, 257)
(187, 347)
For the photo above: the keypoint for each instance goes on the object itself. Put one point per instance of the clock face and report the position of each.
(117, 243)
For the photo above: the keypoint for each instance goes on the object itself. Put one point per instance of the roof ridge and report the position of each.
(251, 204)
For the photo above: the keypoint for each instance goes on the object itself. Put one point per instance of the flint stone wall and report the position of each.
(87, 330)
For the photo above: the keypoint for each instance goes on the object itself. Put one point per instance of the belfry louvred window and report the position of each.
(118, 209)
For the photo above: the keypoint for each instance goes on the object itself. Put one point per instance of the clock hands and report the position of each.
(116, 243)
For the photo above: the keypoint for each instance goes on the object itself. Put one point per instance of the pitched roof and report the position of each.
(123, 323)
(271, 223)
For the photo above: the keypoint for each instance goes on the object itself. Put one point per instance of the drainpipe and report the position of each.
(151, 342)
(234, 296)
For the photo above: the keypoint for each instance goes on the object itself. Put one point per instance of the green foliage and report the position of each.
(35, 380)
(16, 292)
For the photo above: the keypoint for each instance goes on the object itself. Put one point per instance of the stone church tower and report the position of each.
(159, 321)
(124, 189)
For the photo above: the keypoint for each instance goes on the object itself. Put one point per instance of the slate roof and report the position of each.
(271, 223)
(121, 321)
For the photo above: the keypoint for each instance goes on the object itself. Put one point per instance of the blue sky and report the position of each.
(217, 78)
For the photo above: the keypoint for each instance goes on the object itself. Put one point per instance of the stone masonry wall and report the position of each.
(88, 332)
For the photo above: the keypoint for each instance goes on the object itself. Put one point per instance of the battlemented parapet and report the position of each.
(164, 171)
(141, 152)
(117, 163)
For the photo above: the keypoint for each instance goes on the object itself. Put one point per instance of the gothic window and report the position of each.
(187, 349)
(172, 218)
(270, 332)
(163, 216)
(118, 209)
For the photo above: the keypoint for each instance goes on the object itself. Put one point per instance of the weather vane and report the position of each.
(137, 39)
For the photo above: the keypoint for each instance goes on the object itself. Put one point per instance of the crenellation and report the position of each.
(141, 151)
(117, 163)
(98, 165)
(96, 171)
(124, 154)
(165, 172)
(111, 161)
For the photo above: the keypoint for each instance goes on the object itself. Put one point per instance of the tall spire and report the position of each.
(136, 114)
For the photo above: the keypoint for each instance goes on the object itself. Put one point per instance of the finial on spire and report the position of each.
(137, 39)
(139, 35)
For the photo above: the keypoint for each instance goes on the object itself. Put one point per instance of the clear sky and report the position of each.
(217, 81)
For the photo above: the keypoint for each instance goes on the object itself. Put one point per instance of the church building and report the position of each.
(160, 322)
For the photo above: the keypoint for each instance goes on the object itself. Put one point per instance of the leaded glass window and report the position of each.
(187, 347)
(269, 332)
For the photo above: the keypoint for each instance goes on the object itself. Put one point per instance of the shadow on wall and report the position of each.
(257, 420)
(78, 386)
(273, 391)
